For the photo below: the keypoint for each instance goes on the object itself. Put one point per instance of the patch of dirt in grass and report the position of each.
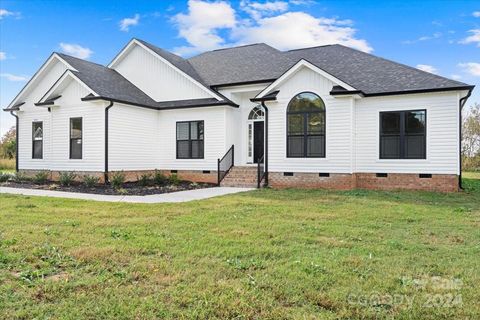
(105, 255)
(62, 276)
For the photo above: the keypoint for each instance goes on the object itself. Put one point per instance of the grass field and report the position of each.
(268, 254)
(7, 165)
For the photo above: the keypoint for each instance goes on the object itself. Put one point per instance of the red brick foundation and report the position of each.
(337, 181)
(393, 181)
(407, 181)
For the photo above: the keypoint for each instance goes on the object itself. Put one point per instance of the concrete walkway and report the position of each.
(179, 196)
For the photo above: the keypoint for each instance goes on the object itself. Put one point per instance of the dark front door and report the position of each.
(258, 140)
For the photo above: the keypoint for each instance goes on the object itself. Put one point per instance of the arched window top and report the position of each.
(306, 102)
(257, 113)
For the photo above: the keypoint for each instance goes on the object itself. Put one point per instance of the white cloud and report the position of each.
(456, 76)
(436, 35)
(76, 50)
(476, 14)
(3, 55)
(257, 9)
(427, 68)
(472, 68)
(474, 38)
(5, 13)
(202, 25)
(126, 23)
(12, 77)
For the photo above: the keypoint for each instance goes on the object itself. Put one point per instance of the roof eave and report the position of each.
(430, 90)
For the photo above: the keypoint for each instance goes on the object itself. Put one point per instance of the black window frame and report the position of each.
(190, 140)
(402, 135)
(33, 140)
(305, 135)
(75, 139)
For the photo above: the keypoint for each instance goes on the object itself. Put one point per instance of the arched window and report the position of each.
(256, 114)
(306, 126)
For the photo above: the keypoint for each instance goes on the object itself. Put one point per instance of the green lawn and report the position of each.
(268, 254)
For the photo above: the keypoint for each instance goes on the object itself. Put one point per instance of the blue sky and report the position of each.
(438, 36)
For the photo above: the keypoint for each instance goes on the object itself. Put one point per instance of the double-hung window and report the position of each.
(403, 134)
(76, 141)
(37, 140)
(190, 136)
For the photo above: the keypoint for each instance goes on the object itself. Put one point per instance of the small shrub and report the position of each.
(174, 180)
(41, 177)
(118, 179)
(4, 177)
(159, 178)
(90, 181)
(66, 178)
(145, 179)
(20, 177)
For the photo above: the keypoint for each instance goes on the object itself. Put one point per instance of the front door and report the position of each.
(258, 140)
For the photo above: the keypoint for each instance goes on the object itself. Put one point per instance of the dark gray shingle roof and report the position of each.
(365, 72)
(106, 82)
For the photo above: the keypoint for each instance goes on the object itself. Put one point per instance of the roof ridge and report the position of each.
(400, 64)
(305, 48)
(242, 46)
(83, 60)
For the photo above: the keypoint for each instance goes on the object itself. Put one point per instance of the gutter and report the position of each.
(105, 173)
(16, 139)
(461, 104)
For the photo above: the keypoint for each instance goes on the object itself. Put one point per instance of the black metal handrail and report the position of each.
(225, 163)
(260, 170)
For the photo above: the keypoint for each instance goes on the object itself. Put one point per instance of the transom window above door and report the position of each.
(257, 113)
(306, 126)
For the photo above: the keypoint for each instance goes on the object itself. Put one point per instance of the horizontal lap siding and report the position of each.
(338, 127)
(92, 114)
(31, 113)
(157, 79)
(134, 139)
(215, 138)
(442, 133)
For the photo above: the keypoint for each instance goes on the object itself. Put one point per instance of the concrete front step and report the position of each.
(241, 177)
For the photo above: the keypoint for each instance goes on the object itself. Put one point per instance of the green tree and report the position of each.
(8, 144)
(471, 138)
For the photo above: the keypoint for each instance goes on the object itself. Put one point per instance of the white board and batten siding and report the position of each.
(156, 78)
(442, 133)
(338, 127)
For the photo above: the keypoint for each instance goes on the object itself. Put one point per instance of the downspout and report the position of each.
(106, 142)
(266, 143)
(461, 102)
(16, 139)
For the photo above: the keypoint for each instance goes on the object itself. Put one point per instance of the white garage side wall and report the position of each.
(338, 127)
(29, 113)
(134, 140)
(157, 79)
(92, 114)
(214, 138)
(442, 133)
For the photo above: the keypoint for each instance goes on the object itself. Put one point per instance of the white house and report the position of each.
(327, 116)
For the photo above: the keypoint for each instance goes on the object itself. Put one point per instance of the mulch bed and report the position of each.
(129, 188)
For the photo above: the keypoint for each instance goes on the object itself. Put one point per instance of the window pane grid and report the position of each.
(37, 140)
(403, 135)
(76, 138)
(190, 136)
(306, 126)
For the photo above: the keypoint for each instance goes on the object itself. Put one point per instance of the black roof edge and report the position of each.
(47, 102)
(219, 103)
(241, 83)
(15, 107)
(345, 92)
(272, 96)
(391, 93)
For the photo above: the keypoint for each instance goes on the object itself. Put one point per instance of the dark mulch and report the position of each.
(129, 188)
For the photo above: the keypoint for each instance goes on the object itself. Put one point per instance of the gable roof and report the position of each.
(367, 73)
(107, 83)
